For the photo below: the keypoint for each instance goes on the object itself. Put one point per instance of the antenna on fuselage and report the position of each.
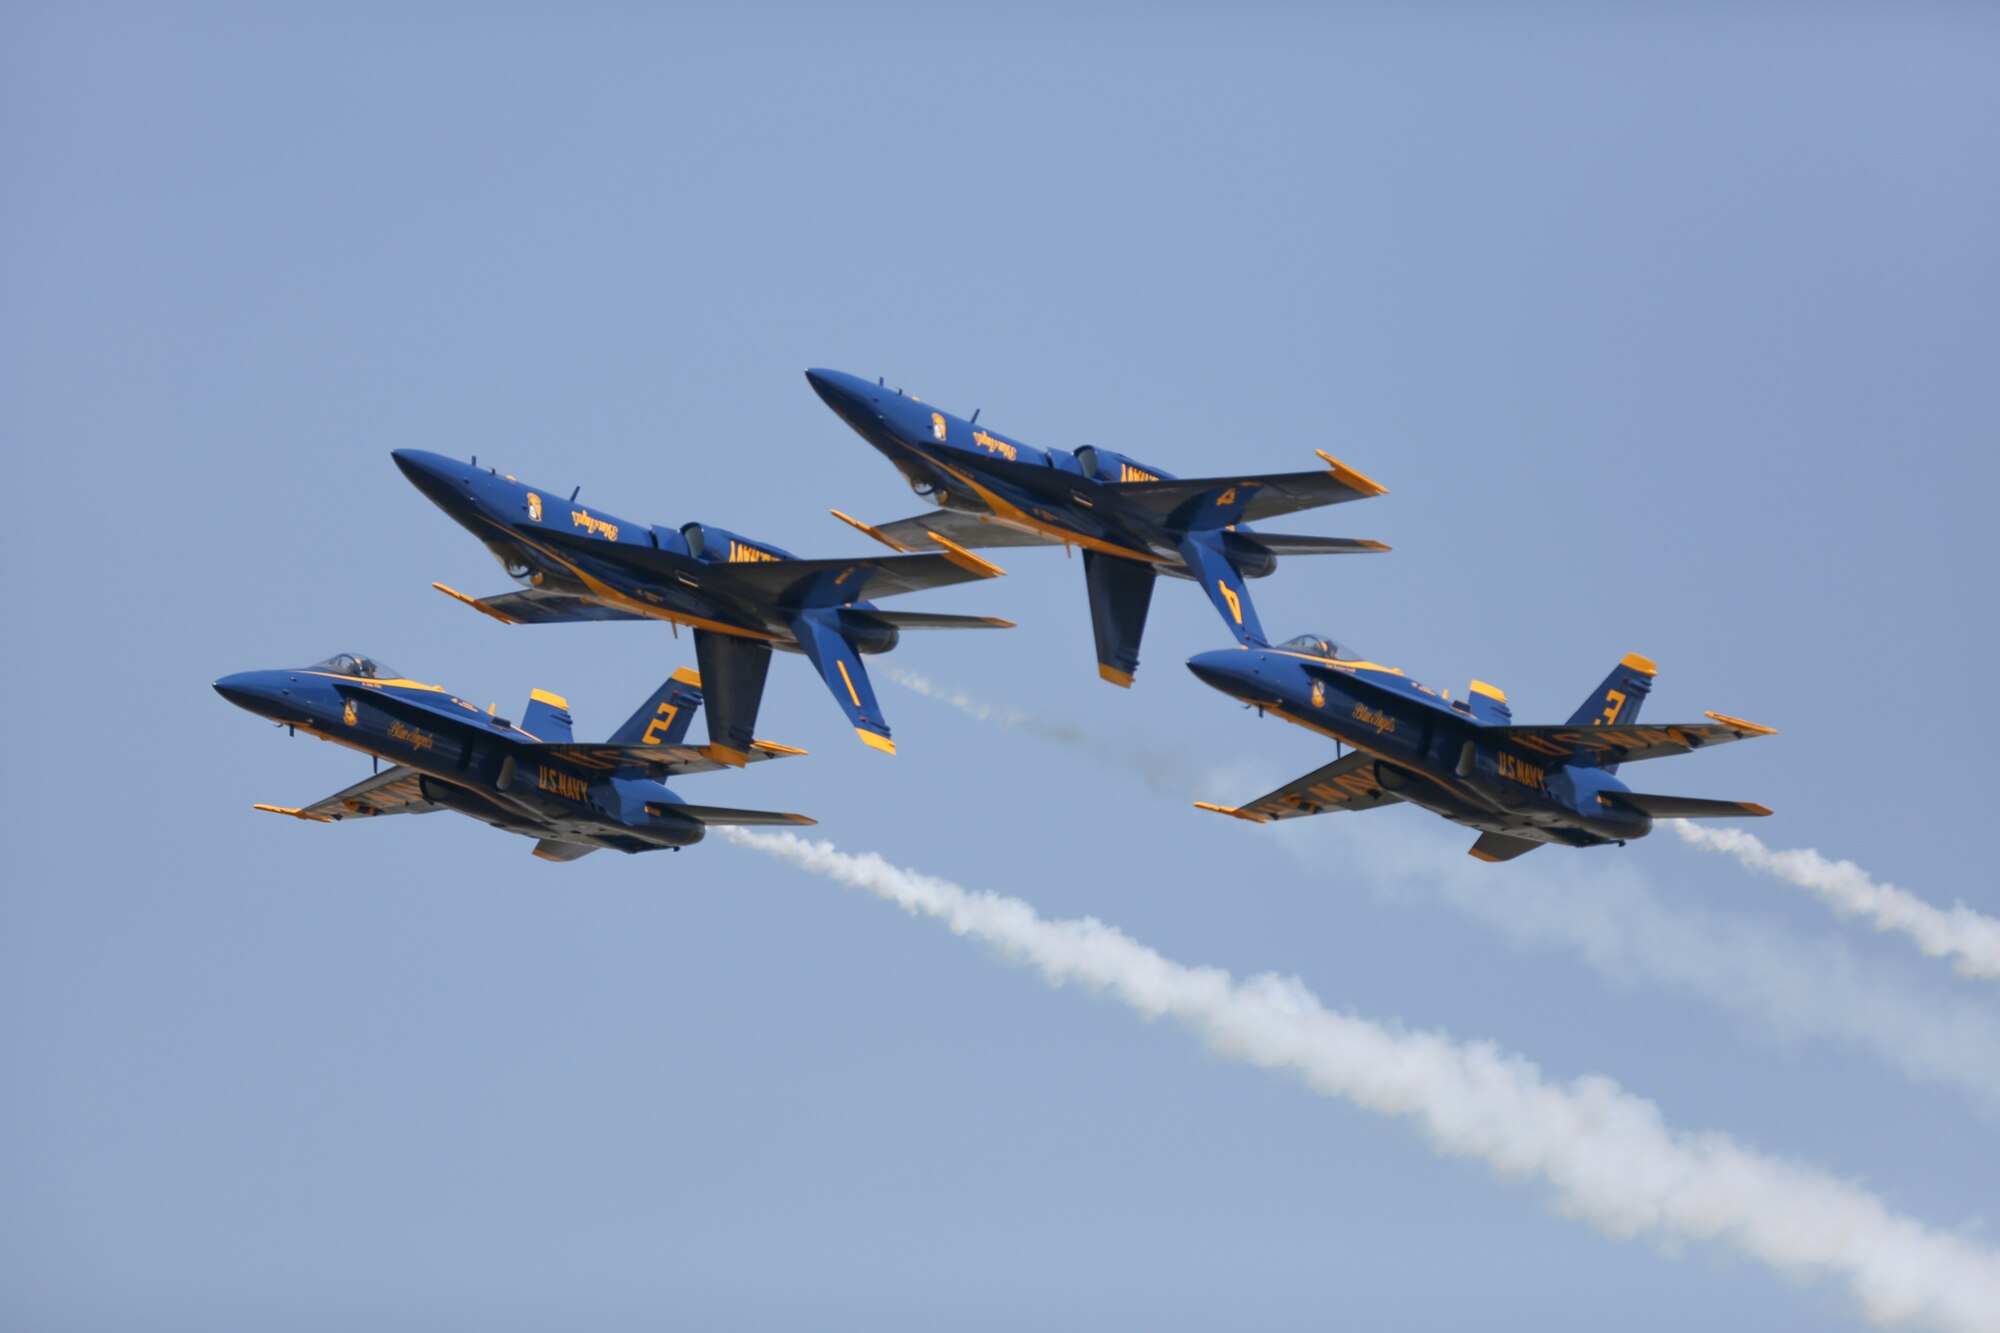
(975, 418)
(573, 494)
(879, 382)
(475, 460)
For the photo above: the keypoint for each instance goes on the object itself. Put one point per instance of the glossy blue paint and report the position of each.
(1521, 786)
(999, 491)
(448, 755)
(743, 597)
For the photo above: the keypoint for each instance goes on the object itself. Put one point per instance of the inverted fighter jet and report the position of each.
(741, 597)
(1132, 521)
(1465, 759)
(529, 777)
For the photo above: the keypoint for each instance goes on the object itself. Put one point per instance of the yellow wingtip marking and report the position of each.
(1233, 812)
(1484, 856)
(295, 812)
(476, 604)
(1348, 477)
(1639, 663)
(552, 700)
(1368, 544)
(1490, 691)
(1752, 808)
(801, 819)
(1741, 725)
(772, 747)
(876, 533)
(687, 676)
(1122, 679)
(876, 742)
(722, 754)
(965, 559)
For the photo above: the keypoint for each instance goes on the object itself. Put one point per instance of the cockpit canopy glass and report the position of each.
(1320, 646)
(353, 664)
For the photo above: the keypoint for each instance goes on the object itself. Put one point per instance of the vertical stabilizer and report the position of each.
(1617, 700)
(547, 718)
(665, 717)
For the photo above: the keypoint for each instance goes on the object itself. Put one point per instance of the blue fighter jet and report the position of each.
(529, 777)
(741, 597)
(1465, 759)
(1132, 521)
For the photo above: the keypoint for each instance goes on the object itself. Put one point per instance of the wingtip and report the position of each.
(777, 750)
(476, 604)
(1740, 725)
(1476, 854)
(965, 559)
(295, 812)
(874, 532)
(1752, 808)
(1349, 478)
(1233, 812)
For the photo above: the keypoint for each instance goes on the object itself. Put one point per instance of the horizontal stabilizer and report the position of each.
(1501, 847)
(534, 607)
(1686, 807)
(933, 620)
(1285, 543)
(721, 814)
(551, 850)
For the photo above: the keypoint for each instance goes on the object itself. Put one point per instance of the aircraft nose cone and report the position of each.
(843, 393)
(245, 689)
(1223, 669)
(438, 478)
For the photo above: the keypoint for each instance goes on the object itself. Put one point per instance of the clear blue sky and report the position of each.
(1668, 332)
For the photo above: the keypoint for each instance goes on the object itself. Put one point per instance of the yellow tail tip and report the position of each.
(1122, 679)
(722, 754)
(875, 741)
(1639, 663)
(687, 676)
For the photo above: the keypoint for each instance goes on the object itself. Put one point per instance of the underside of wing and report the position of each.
(971, 530)
(534, 607)
(1344, 784)
(1596, 746)
(661, 761)
(393, 791)
(809, 583)
(1249, 498)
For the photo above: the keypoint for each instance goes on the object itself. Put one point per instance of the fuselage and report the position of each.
(514, 520)
(1429, 750)
(1061, 496)
(470, 761)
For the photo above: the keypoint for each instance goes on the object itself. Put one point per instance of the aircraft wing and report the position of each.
(840, 582)
(393, 791)
(1246, 499)
(797, 582)
(1595, 746)
(1344, 784)
(970, 530)
(535, 607)
(664, 761)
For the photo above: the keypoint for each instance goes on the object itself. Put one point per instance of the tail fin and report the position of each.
(664, 718)
(732, 675)
(1223, 583)
(1121, 592)
(819, 635)
(1617, 700)
(547, 718)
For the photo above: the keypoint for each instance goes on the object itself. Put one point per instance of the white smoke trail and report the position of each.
(1601, 908)
(1157, 771)
(1969, 938)
(1607, 1155)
